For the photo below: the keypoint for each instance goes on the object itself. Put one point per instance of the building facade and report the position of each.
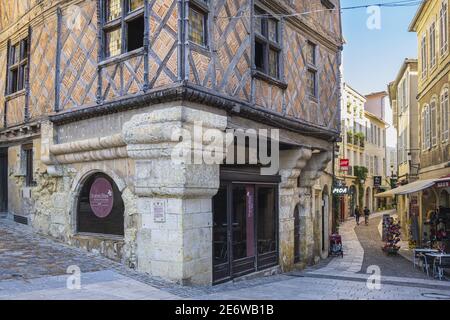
(376, 181)
(352, 147)
(402, 95)
(431, 24)
(101, 96)
(364, 146)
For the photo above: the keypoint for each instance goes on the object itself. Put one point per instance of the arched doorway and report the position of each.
(368, 201)
(100, 208)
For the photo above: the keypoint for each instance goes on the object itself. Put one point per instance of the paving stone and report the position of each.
(34, 267)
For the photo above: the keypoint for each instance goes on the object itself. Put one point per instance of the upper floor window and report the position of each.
(403, 94)
(311, 62)
(423, 54)
(433, 123)
(432, 45)
(123, 26)
(198, 21)
(267, 44)
(426, 128)
(444, 116)
(443, 26)
(17, 66)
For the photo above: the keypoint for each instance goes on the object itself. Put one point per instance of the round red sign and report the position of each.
(101, 197)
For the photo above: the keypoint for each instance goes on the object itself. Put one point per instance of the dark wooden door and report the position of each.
(245, 229)
(3, 180)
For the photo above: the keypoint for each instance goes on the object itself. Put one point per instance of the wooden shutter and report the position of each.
(433, 124)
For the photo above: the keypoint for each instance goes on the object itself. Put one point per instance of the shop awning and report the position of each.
(407, 189)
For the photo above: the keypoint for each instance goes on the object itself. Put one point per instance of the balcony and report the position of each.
(356, 139)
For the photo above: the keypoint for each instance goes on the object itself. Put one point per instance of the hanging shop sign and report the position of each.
(344, 164)
(341, 190)
(101, 198)
(377, 181)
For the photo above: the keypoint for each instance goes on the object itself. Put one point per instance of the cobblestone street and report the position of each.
(32, 267)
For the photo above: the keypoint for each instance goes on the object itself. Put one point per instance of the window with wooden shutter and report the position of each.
(433, 124)
(423, 128)
(444, 116)
(433, 45)
(424, 55)
(427, 128)
(443, 23)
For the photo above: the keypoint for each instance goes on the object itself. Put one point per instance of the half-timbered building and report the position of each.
(92, 91)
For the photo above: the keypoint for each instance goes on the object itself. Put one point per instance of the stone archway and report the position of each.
(100, 207)
(83, 175)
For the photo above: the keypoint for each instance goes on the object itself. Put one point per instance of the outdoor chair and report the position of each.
(440, 264)
(425, 264)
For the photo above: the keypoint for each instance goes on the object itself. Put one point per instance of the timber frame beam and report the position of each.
(190, 93)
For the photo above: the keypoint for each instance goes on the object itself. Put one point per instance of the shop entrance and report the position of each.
(245, 230)
(3, 180)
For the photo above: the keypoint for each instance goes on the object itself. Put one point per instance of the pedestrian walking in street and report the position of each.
(357, 214)
(366, 215)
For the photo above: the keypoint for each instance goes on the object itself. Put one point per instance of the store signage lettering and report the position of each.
(444, 184)
(377, 181)
(101, 198)
(340, 191)
(344, 164)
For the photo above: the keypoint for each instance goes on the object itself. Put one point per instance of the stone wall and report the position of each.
(137, 155)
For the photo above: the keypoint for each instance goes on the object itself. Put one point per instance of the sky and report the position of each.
(372, 58)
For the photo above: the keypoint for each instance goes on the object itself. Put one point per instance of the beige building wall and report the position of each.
(431, 24)
(375, 159)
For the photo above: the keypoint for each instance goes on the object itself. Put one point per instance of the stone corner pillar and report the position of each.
(310, 174)
(291, 164)
(174, 195)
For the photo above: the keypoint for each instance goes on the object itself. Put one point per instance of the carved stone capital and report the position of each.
(315, 168)
(155, 140)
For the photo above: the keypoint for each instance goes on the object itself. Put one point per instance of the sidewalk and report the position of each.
(356, 259)
(353, 251)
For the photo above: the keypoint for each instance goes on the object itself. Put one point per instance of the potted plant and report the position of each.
(393, 237)
(359, 139)
(350, 137)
